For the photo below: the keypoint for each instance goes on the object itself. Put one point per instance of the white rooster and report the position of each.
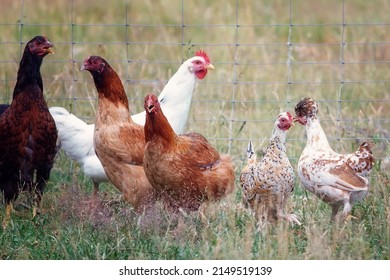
(76, 137)
(338, 179)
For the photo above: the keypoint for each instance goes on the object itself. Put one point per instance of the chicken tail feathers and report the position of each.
(362, 160)
(251, 155)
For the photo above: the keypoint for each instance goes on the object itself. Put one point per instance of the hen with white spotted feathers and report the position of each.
(267, 184)
(338, 179)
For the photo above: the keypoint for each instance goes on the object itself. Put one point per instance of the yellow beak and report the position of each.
(209, 66)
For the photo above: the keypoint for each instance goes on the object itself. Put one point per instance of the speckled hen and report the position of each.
(338, 179)
(267, 184)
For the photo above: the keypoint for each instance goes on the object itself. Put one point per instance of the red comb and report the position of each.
(204, 55)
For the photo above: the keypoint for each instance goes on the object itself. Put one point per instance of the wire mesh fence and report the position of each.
(267, 54)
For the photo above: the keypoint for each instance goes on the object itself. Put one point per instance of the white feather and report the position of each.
(76, 139)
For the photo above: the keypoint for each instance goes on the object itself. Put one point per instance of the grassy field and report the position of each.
(343, 67)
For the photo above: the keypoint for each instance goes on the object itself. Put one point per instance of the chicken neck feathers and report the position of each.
(175, 98)
(29, 74)
(109, 86)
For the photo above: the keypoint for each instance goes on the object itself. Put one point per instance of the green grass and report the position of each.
(74, 225)
(233, 104)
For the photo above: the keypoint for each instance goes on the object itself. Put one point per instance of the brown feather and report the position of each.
(348, 179)
(119, 141)
(185, 169)
(28, 133)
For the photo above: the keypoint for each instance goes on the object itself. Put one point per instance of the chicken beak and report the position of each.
(149, 105)
(50, 50)
(210, 67)
(82, 67)
(301, 120)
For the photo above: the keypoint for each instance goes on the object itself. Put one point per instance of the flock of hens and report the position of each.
(148, 157)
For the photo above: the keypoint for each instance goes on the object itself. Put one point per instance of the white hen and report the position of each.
(76, 139)
(175, 98)
(76, 136)
(338, 179)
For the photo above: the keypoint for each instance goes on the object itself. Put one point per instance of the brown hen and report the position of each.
(119, 142)
(28, 132)
(185, 170)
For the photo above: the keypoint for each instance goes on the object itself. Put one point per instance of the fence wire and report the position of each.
(352, 86)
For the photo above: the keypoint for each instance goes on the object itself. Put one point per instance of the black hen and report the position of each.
(28, 133)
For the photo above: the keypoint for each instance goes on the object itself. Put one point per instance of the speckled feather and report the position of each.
(267, 184)
(338, 179)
